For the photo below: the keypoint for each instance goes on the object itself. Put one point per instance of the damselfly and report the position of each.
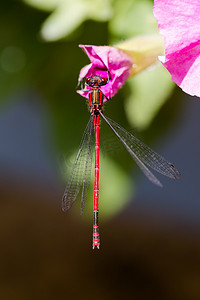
(80, 175)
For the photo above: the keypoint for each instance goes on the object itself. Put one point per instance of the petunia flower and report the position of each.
(179, 23)
(120, 62)
(109, 63)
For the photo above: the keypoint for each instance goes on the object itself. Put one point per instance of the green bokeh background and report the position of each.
(31, 59)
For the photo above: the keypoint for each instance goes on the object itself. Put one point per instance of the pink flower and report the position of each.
(106, 61)
(179, 23)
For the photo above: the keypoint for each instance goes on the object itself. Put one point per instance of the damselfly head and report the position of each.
(96, 81)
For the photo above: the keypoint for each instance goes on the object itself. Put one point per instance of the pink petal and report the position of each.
(106, 59)
(179, 23)
(185, 70)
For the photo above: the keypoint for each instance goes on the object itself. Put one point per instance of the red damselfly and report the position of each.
(80, 175)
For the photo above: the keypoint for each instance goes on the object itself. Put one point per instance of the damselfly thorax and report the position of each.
(96, 95)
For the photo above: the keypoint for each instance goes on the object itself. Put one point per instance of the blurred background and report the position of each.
(150, 245)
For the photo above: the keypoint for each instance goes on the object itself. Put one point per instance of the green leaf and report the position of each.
(68, 15)
(46, 5)
(148, 92)
(64, 20)
(132, 17)
(99, 10)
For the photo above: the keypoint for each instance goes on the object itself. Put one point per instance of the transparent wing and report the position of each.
(81, 170)
(143, 155)
(88, 167)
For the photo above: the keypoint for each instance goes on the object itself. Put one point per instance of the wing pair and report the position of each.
(141, 153)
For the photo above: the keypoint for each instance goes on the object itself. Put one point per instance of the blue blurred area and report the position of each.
(178, 201)
(26, 153)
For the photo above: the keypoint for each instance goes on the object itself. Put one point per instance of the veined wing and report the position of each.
(143, 155)
(81, 170)
(88, 166)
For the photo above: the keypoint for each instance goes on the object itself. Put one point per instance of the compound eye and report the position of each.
(103, 81)
(88, 79)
